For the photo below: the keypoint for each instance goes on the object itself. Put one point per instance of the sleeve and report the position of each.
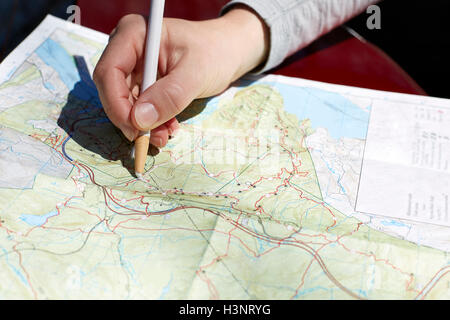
(294, 24)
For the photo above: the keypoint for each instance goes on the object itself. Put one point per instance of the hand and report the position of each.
(196, 60)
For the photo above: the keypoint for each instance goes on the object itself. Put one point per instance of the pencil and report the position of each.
(153, 39)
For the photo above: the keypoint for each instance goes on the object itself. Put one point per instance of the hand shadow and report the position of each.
(85, 121)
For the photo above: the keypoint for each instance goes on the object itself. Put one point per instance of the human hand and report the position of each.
(196, 60)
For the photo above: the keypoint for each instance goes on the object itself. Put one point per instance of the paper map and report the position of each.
(256, 197)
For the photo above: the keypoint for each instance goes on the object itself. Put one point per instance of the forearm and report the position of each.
(293, 24)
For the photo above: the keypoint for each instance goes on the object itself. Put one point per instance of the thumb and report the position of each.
(166, 98)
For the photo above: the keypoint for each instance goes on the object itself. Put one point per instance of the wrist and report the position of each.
(249, 38)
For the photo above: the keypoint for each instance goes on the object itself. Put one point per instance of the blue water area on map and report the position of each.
(325, 109)
(37, 220)
(393, 223)
(13, 268)
(49, 86)
(166, 289)
(11, 72)
(54, 55)
(72, 71)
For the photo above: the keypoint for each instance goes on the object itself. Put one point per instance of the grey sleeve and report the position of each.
(294, 24)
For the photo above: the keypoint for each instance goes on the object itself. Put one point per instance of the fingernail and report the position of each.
(157, 142)
(145, 115)
(129, 133)
(173, 134)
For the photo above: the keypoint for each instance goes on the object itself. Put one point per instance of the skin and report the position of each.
(196, 60)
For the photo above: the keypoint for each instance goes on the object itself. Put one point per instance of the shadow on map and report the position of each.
(84, 120)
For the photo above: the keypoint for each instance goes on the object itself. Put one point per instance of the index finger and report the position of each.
(112, 73)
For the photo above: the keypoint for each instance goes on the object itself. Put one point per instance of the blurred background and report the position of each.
(408, 54)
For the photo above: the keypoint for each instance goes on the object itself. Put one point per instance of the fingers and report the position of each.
(172, 126)
(112, 73)
(166, 98)
(160, 135)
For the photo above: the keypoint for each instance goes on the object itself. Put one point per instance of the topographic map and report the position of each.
(254, 198)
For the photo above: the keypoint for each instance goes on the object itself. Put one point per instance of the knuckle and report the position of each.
(134, 21)
(129, 18)
(132, 27)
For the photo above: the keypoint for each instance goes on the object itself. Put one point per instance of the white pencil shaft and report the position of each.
(152, 45)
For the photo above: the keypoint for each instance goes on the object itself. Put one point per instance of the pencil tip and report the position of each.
(139, 176)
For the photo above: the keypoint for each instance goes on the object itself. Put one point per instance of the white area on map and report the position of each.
(10, 97)
(338, 164)
(23, 157)
(406, 168)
